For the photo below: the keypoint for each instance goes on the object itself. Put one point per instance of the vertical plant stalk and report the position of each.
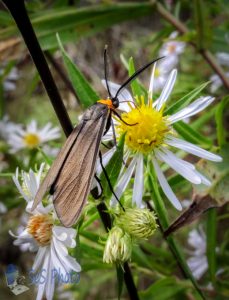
(206, 54)
(162, 216)
(18, 11)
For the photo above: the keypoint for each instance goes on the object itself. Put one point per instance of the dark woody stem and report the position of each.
(18, 11)
(206, 54)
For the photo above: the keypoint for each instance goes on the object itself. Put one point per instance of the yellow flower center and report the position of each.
(172, 48)
(149, 129)
(40, 227)
(32, 140)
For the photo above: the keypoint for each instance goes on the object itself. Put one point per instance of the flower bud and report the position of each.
(118, 246)
(138, 222)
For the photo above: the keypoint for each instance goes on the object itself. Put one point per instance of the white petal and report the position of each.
(67, 260)
(193, 149)
(65, 235)
(167, 89)
(17, 183)
(191, 109)
(165, 187)
(223, 58)
(50, 283)
(108, 136)
(150, 91)
(40, 291)
(216, 83)
(56, 261)
(198, 266)
(180, 166)
(123, 181)
(40, 257)
(138, 182)
(204, 180)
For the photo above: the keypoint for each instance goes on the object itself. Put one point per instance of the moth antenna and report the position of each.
(106, 70)
(139, 71)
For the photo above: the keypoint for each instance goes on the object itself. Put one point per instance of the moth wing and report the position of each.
(74, 180)
(56, 166)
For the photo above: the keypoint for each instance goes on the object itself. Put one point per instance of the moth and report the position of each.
(69, 179)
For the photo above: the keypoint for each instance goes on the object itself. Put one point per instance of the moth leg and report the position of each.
(118, 115)
(106, 146)
(95, 192)
(108, 180)
(114, 135)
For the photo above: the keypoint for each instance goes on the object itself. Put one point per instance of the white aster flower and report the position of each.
(198, 260)
(3, 208)
(9, 84)
(223, 58)
(153, 137)
(216, 82)
(7, 127)
(32, 137)
(172, 46)
(43, 234)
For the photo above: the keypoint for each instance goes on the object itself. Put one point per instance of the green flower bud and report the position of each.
(138, 222)
(118, 246)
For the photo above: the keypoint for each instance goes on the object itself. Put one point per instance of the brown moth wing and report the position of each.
(73, 184)
(60, 160)
(56, 166)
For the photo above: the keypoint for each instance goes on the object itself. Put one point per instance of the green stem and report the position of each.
(162, 216)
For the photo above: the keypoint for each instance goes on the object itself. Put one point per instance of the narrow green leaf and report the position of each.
(164, 289)
(90, 220)
(91, 251)
(78, 22)
(192, 135)
(92, 236)
(137, 89)
(202, 22)
(86, 94)
(141, 258)
(158, 202)
(221, 135)
(113, 168)
(181, 103)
